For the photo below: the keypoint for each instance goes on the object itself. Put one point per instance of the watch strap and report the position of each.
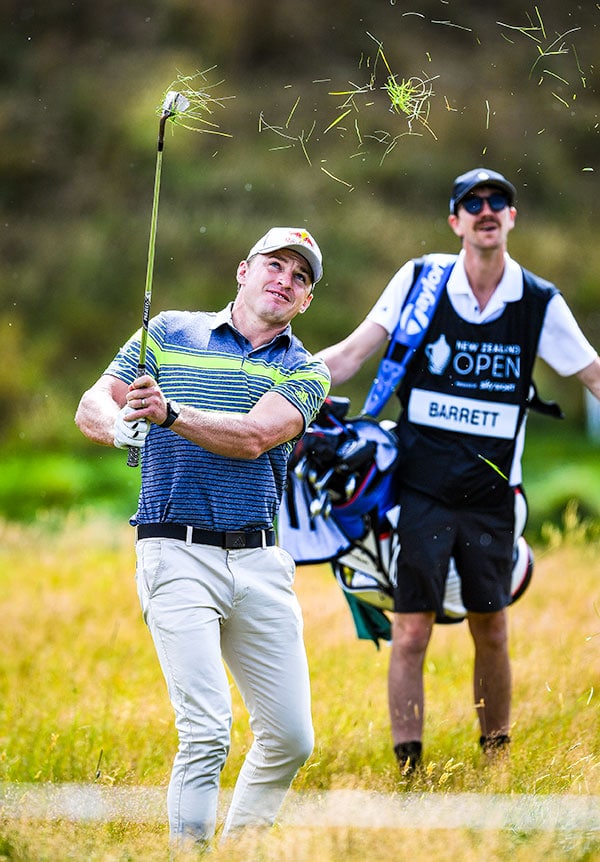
(171, 416)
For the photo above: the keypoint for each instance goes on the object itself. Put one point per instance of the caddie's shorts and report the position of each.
(481, 543)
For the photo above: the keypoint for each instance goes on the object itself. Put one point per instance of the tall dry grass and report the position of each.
(82, 700)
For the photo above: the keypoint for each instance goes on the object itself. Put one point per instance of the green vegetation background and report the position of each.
(514, 87)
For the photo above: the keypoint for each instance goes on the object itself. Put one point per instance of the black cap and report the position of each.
(479, 177)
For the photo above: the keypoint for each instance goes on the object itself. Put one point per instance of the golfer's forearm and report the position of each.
(234, 435)
(95, 417)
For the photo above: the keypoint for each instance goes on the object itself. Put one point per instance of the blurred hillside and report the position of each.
(502, 86)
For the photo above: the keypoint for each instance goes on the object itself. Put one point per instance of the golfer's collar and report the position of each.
(510, 288)
(225, 318)
(222, 318)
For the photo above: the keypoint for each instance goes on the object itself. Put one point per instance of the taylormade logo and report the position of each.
(415, 317)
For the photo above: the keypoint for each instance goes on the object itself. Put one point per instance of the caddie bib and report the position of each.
(464, 398)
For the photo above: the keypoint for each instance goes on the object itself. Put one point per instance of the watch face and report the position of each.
(174, 407)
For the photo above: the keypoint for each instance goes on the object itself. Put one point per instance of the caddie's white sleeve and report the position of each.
(562, 345)
(387, 309)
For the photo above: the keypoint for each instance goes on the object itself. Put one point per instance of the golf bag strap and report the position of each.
(429, 280)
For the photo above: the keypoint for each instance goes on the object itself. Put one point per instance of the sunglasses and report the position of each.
(497, 202)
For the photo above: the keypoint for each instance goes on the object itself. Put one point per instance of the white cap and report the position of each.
(295, 238)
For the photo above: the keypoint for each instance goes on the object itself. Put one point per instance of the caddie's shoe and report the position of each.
(408, 755)
(495, 744)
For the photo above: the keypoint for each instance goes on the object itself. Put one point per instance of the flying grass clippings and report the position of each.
(548, 49)
(359, 115)
(409, 97)
(197, 103)
(284, 132)
(406, 97)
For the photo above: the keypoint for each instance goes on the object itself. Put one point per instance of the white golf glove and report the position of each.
(128, 434)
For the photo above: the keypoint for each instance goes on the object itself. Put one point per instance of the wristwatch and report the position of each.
(173, 411)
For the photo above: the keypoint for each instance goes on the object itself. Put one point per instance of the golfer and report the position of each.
(226, 396)
(464, 398)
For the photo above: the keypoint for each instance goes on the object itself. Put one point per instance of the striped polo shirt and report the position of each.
(202, 360)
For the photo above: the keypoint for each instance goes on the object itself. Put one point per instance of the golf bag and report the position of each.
(339, 508)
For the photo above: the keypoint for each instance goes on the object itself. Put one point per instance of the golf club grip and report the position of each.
(133, 456)
(133, 452)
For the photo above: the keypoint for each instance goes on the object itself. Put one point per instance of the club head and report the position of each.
(350, 487)
(174, 103)
(301, 468)
(315, 508)
(320, 506)
(321, 482)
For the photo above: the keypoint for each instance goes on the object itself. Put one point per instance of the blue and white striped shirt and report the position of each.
(200, 359)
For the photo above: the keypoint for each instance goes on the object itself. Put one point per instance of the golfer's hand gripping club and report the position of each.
(131, 435)
(133, 455)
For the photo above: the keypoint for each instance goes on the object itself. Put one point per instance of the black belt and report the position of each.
(228, 539)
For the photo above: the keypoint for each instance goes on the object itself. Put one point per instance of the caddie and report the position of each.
(464, 392)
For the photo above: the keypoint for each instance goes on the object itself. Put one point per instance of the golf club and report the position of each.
(173, 104)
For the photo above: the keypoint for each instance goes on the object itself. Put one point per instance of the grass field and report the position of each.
(82, 700)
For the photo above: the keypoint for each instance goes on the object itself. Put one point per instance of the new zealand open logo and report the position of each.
(438, 354)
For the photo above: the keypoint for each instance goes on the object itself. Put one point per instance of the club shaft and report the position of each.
(133, 454)
(150, 264)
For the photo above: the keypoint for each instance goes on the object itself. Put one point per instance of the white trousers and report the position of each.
(204, 605)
